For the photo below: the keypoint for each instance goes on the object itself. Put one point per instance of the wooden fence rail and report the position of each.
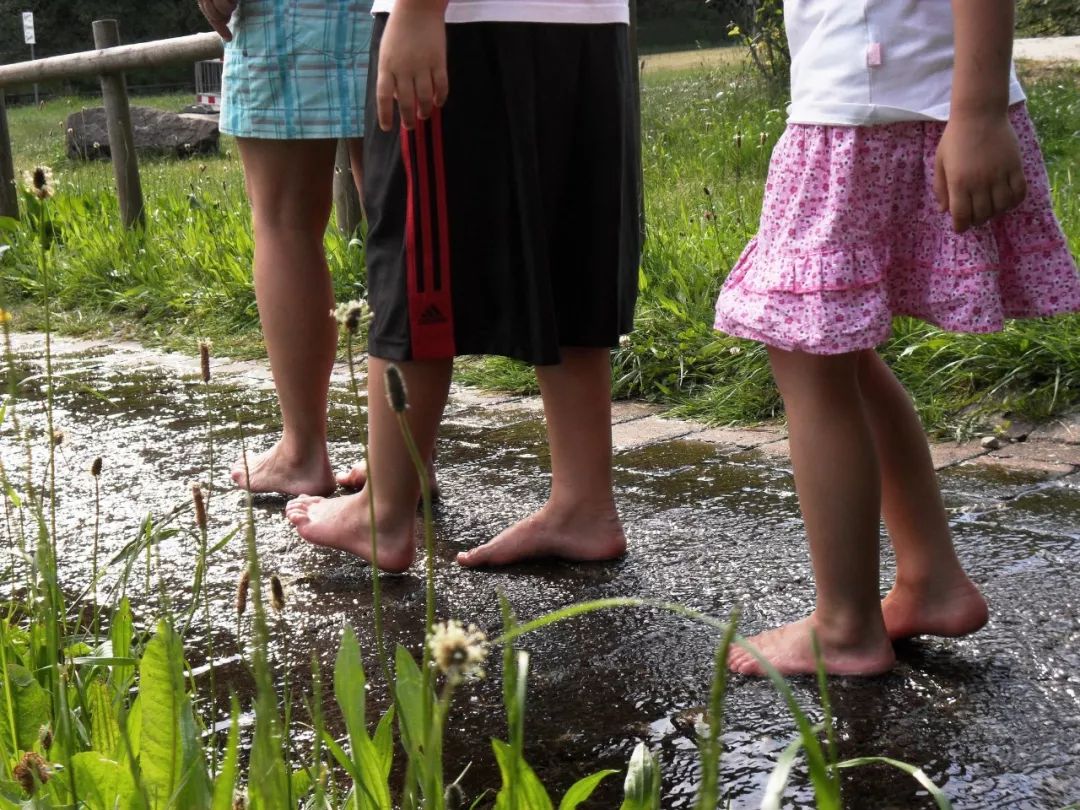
(108, 62)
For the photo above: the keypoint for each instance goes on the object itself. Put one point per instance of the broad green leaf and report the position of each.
(134, 727)
(100, 781)
(164, 702)
(408, 685)
(161, 692)
(104, 726)
(642, 786)
(31, 709)
(583, 789)
(384, 742)
(120, 633)
(302, 783)
(194, 789)
(350, 687)
(529, 791)
(226, 779)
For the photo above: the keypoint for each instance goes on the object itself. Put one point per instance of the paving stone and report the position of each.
(1042, 456)
(627, 411)
(1065, 429)
(776, 449)
(747, 438)
(1047, 468)
(950, 454)
(650, 430)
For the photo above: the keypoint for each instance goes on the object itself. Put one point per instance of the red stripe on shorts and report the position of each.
(431, 314)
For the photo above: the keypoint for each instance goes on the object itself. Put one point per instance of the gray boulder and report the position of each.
(157, 132)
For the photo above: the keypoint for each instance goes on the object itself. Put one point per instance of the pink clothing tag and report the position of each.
(873, 54)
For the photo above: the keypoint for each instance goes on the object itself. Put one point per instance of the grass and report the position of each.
(707, 135)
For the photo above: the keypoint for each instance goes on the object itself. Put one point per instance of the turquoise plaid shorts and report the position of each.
(297, 69)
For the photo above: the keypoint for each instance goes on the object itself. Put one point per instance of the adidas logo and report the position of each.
(431, 316)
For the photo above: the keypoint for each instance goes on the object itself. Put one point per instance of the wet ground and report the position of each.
(994, 719)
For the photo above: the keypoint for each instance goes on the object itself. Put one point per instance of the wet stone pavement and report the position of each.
(712, 522)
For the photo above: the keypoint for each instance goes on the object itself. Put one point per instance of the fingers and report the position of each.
(1018, 184)
(442, 85)
(415, 99)
(406, 99)
(982, 206)
(961, 208)
(941, 185)
(425, 96)
(384, 100)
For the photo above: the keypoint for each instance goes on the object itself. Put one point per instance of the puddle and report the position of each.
(994, 719)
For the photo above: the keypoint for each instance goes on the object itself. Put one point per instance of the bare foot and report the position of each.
(342, 523)
(356, 477)
(276, 472)
(791, 651)
(577, 534)
(950, 609)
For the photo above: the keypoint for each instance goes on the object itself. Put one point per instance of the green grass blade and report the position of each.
(913, 771)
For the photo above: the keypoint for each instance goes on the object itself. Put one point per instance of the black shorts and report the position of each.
(509, 223)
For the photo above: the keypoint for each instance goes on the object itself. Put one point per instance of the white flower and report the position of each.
(459, 651)
(735, 350)
(352, 315)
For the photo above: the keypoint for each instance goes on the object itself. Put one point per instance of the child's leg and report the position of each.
(343, 523)
(579, 521)
(289, 184)
(932, 594)
(837, 478)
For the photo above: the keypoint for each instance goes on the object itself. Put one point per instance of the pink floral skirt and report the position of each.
(851, 236)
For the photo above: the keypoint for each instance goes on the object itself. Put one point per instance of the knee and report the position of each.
(828, 379)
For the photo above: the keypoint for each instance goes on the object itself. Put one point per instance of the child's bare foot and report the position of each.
(342, 523)
(356, 478)
(791, 651)
(952, 608)
(579, 534)
(277, 471)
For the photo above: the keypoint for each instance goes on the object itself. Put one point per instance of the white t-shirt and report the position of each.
(541, 11)
(858, 62)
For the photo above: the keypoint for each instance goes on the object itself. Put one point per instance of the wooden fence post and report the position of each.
(121, 137)
(9, 196)
(346, 197)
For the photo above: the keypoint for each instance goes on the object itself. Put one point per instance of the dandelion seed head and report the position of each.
(95, 467)
(353, 315)
(45, 737)
(57, 437)
(459, 651)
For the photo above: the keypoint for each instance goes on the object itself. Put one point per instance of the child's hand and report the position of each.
(218, 13)
(978, 173)
(412, 63)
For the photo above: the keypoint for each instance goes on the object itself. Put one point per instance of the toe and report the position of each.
(355, 478)
(481, 555)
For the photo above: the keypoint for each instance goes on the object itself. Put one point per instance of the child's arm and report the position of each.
(979, 173)
(412, 62)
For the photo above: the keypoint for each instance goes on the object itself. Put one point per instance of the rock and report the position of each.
(990, 442)
(157, 132)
